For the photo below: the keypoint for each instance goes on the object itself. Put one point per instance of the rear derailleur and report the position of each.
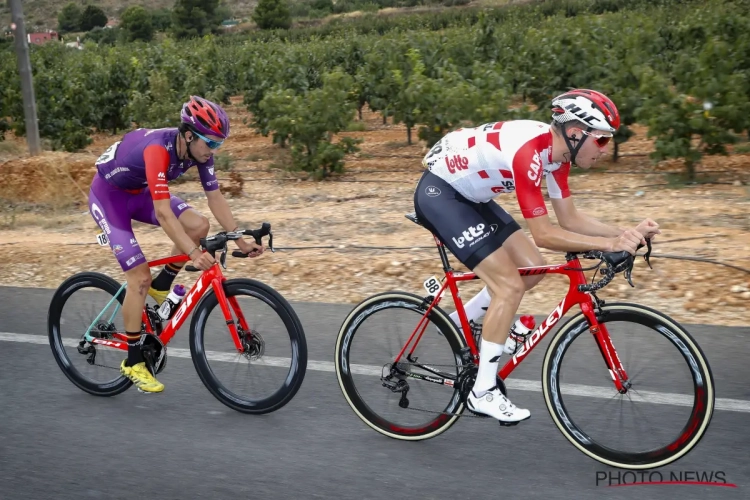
(102, 330)
(395, 380)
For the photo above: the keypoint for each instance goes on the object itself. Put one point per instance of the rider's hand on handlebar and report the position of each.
(628, 241)
(250, 248)
(204, 261)
(648, 228)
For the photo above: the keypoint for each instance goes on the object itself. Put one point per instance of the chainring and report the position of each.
(467, 378)
(154, 353)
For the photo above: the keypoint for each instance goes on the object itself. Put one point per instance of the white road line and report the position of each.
(653, 397)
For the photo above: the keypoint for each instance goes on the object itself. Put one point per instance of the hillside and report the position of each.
(42, 14)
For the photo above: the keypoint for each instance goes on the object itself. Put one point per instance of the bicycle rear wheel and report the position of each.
(88, 302)
(270, 371)
(417, 398)
(671, 394)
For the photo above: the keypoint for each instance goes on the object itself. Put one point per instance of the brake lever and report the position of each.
(223, 258)
(648, 253)
(629, 270)
(628, 274)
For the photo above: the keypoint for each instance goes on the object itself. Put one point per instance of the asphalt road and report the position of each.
(57, 442)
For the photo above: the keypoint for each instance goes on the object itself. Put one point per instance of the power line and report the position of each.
(370, 248)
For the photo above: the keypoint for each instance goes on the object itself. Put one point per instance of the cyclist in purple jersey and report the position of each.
(127, 170)
(131, 184)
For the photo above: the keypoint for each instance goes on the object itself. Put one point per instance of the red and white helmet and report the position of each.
(589, 107)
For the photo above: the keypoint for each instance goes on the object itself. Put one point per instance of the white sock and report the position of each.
(487, 374)
(474, 307)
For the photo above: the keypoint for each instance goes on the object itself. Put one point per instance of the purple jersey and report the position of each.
(129, 164)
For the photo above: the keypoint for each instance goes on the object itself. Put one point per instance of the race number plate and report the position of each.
(431, 285)
(102, 239)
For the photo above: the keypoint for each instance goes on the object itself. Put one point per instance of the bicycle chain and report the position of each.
(470, 415)
(104, 366)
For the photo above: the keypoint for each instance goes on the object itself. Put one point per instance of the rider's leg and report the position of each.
(110, 208)
(476, 234)
(500, 274)
(523, 252)
(502, 271)
(475, 308)
(196, 226)
(139, 279)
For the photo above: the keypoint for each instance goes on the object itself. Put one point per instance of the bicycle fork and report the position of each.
(608, 351)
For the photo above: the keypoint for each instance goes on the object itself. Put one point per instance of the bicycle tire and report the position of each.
(298, 366)
(703, 385)
(61, 296)
(356, 317)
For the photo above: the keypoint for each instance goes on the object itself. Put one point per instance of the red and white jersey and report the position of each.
(485, 161)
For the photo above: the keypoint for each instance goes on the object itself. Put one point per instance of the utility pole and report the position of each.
(27, 83)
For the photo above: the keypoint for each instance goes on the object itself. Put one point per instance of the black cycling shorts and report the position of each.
(471, 231)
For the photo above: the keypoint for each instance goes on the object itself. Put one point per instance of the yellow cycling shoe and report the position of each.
(158, 295)
(141, 377)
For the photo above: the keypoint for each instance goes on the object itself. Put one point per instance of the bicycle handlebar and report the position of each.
(616, 262)
(217, 242)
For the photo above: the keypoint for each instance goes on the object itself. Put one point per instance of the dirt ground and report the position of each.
(333, 237)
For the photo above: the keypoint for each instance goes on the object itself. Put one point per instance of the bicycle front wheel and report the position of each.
(664, 412)
(271, 368)
(420, 396)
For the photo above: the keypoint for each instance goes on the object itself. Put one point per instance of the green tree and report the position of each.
(223, 12)
(310, 120)
(272, 14)
(69, 18)
(161, 19)
(103, 36)
(193, 18)
(156, 107)
(92, 17)
(691, 125)
(136, 21)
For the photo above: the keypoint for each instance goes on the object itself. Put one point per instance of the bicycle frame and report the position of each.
(573, 270)
(211, 277)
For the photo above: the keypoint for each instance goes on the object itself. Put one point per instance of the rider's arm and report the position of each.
(216, 201)
(220, 208)
(573, 220)
(156, 159)
(527, 173)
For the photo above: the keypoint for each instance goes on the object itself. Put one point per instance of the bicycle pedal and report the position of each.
(146, 392)
(511, 424)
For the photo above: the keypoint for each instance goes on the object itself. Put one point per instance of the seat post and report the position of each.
(443, 256)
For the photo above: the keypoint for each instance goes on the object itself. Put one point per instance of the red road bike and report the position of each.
(245, 324)
(387, 357)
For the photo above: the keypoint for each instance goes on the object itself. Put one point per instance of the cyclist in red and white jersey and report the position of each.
(469, 167)
(131, 184)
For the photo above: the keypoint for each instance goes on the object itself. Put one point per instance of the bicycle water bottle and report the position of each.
(518, 333)
(169, 306)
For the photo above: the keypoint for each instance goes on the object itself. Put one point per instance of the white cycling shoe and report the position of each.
(496, 405)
